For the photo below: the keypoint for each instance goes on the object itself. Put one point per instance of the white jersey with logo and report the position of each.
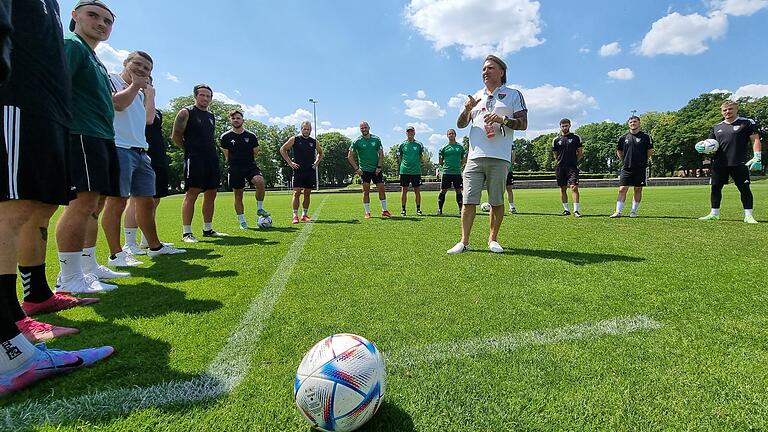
(504, 101)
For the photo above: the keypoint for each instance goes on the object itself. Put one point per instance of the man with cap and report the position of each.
(493, 113)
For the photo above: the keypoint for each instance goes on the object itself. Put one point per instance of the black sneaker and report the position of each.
(576, 214)
(419, 213)
(565, 213)
(439, 212)
(402, 213)
(212, 233)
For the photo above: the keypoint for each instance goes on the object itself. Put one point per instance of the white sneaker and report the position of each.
(134, 250)
(123, 259)
(459, 248)
(188, 238)
(633, 214)
(244, 225)
(145, 245)
(495, 247)
(165, 250)
(104, 272)
(82, 284)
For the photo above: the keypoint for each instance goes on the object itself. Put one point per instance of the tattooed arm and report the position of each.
(179, 126)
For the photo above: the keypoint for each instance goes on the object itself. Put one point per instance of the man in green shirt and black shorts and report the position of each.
(452, 158)
(366, 155)
(409, 154)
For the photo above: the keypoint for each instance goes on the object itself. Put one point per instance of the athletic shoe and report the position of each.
(306, 218)
(213, 233)
(134, 250)
(57, 302)
(36, 331)
(565, 213)
(457, 249)
(104, 272)
(402, 213)
(295, 220)
(710, 217)
(750, 219)
(439, 213)
(188, 238)
(165, 250)
(495, 247)
(262, 212)
(243, 225)
(513, 211)
(83, 284)
(615, 215)
(576, 213)
(49, 362)
(633, 214)
(368, 215)
(386, 214)
(123, 259)
(419, 213)
(145, 245)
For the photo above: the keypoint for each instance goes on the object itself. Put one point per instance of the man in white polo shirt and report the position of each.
(134, 101)
(494, 113)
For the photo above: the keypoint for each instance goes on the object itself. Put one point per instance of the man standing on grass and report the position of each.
(494, 113)
(452, 158)
(511, 183)
(366, 155)
(409, 154)
(635, 148)
(734, 134)
(568, 151)
(307, 155)
(241, 148)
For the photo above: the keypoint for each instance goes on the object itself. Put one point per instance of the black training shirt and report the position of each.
(304, 152)
(240, 146)
(635, 148)
(734, 141)
(566, 147)
(198, 136)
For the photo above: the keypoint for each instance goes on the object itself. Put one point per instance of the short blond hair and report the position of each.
(728, 102)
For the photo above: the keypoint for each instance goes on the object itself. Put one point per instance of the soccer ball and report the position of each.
(708, 146)
(264, 222)
(340, 383)
(486, 207)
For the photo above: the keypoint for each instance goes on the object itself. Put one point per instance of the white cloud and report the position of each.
(296, 118)
(398, 129)
(351, 132)
(423, 109)
(755, 91)
(111, 57)
(170, 77)
(421, 94)
(404, 94)
(547, 104)
(437, 139)
(683, 34)
(457, 101)
(622, 74)
(478, 27)
(721, 91)
(610, 49)
(420, 127)
(325, 123)
(250, 110)
(739, 7)
(584, 50)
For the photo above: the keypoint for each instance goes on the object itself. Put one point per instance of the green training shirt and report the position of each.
(452, 155)
(410, 153)
(367, 150)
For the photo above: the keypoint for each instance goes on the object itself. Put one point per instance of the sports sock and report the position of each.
(441, 200)
(576, 206)
(619, 206)
(70, 264)
(88, 260)
(259, 205)
(418, 207)
(383, 205)
(295, 212)
(186, 229)
(715, 211)
(130, 236)
(207, 226)
(17, 351)
(367, 207)
(36, 289)
(565, 207)
(459, 199)
(635, 206)
(241, 218)
(747, 212)
(305, 211)
(403, 208)
(511, 205)
(9, 299)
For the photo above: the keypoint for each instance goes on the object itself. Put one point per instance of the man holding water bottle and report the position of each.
(493, 113)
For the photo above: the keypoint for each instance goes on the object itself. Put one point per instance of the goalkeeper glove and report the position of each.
(755, 164)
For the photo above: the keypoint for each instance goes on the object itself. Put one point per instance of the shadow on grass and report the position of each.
(147, 300)
(173, 268)
(575, 258)
(337, 222)
(389, 418)
(245, 241)
(408, 218)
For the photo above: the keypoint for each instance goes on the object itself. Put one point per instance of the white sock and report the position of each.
(716, 211)
(241, 218)
(186, 229)
(143, 243)
(511, 205)
(304, 212)
(259, 205)
(747, 212)
(69, 262)
(296, 212)
(18, 350)
(619, 206)
(576, 206)
(130, 236)
(635, 206)
(367, 207)
(565, 206)
(207, 226)
(383, 205)
(88, 260)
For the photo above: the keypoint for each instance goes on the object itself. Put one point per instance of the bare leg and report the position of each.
(468, 212)
(188, 206)
(33, 236)
(71, 228)
(145, 207)
(209, 199)
(295, 199)
(307, 194)
(497, 216)
(417, 191)
(239, 207)
(110, 222)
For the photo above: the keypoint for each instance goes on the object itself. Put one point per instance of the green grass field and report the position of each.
(704, 368)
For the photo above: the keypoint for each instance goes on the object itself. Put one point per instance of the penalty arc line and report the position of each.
(223, 375)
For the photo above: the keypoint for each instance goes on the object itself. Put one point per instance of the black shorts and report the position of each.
(634, 178)
(94, 166)
(372, 177)
(161, 181)
(510, 179)
(239, 175)
(567, 176)
(410, 180)
(739, 174)
(304, 179)
(34, 159)
(201, 172)
(451, 181)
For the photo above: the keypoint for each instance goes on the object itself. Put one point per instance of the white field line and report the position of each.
(224, 373)
(475, 347)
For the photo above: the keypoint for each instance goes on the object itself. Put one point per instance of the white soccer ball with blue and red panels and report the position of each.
(340, 383)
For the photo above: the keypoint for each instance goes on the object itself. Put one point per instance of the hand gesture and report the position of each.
(149, 91)
(490, 117)
(471, 103)
(293, 165)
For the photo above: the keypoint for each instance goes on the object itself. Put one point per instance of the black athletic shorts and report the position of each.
(304, 179)
(449, 181)
(567, 176)
(240, 175)
(510, 179)
(739, 174)
(201, 172)
(372, 177)
(34, 159)
(634, 178)
(161, 181)
(410, 180)
(94, 166)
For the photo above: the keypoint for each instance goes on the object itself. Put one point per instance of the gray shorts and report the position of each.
(485, 171)
(137, 178)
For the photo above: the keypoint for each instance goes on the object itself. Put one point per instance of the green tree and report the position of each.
(524, 157)
(541, 147)
(334, 169)
(757, 109)
(599, 140)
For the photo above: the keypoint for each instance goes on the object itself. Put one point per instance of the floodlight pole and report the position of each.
(314, 117)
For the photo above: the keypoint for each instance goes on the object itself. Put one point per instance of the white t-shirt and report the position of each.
(504, 101)
(130, 122)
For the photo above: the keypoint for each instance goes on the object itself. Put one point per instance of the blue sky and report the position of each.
(395, 63)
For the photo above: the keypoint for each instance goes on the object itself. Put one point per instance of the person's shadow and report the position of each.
(576, 258)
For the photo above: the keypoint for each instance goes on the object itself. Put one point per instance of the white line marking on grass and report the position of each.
(509, 342)
(224, 373)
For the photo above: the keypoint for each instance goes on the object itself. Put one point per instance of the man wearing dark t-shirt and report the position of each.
(307, 155)
(734, 134)
(635, 149)
(241, 147)
(568, 151)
